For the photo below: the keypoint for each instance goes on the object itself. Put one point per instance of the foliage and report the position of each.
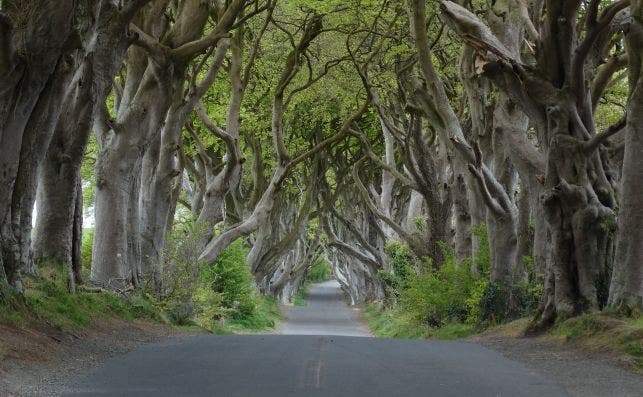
(86, 248)
(300, 297)
(182, 271)
(438, 297)
(401, 259)
(319, 272)
(395, 323)
(455, 298)
(230, 276)
(482, 261)
(265, 316)
(219, 296)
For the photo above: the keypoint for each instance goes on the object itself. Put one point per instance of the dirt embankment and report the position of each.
(38, 359)
(582, 371)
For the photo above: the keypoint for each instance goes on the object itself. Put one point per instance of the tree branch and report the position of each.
(221, 30)
(593, 144)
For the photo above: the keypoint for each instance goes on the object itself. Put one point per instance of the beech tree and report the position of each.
(626, 288)
(578, 197)
(493, 141)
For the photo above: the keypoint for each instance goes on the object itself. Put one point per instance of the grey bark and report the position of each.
(578, 198)
(60, 173)
(153, 79)
(626, 289)
(34, 38)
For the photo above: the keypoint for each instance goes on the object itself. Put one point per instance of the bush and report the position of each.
(182, 271)
(401, 260)
(220, 295)
(230, 276)
(438, 297)
(319, 272)
(456, 293)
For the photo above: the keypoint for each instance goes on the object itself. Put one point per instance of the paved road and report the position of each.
(312, 365)
(325, 313)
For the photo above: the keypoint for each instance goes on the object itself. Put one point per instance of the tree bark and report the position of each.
(578, 198)
(626, 289)
(60, 174)
(34, 38)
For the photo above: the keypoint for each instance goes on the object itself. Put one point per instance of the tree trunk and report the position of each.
(34, 38)
(626, 288)
(77, 239)
(117, 181)
(60, 174)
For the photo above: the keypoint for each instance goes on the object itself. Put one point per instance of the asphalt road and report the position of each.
(328, 364)
(325, 313)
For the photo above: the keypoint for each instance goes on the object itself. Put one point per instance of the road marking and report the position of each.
(313, 377)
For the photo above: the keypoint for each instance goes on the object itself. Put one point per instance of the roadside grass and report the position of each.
(394, 323)
(300, 299)
(46, 300)
(605, 332)
(265, 318)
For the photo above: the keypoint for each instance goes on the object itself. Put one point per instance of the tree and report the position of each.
(626, 288)
(578, 197)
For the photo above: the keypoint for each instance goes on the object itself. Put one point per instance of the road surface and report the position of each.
(328, 363)
(325, 313)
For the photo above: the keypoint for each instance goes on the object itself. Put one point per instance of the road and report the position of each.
(324, 314)
(321, 361)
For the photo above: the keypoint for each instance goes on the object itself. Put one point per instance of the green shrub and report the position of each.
(219, 295)
(300, 297)
(230, 276)
(473, 301)
(182, 271)
(209, 307)
(438, 297)
(402, 261)
(482, 260)
(319, 272)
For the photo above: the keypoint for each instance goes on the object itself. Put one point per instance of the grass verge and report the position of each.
(393, 323)
(265, 317)
(605, 333)
(46, 300)
(300, 299)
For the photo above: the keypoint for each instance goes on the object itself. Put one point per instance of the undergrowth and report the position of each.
(300, 297)
(46, 300)
(605, 332)
(452, 301)
(219, 296)
(395, 323)
(265, 317)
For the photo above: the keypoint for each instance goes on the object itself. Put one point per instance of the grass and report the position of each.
(300, 298)
(605, 332)
(46, 300)
(599, 332)
(265, 318)
(393, 323)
